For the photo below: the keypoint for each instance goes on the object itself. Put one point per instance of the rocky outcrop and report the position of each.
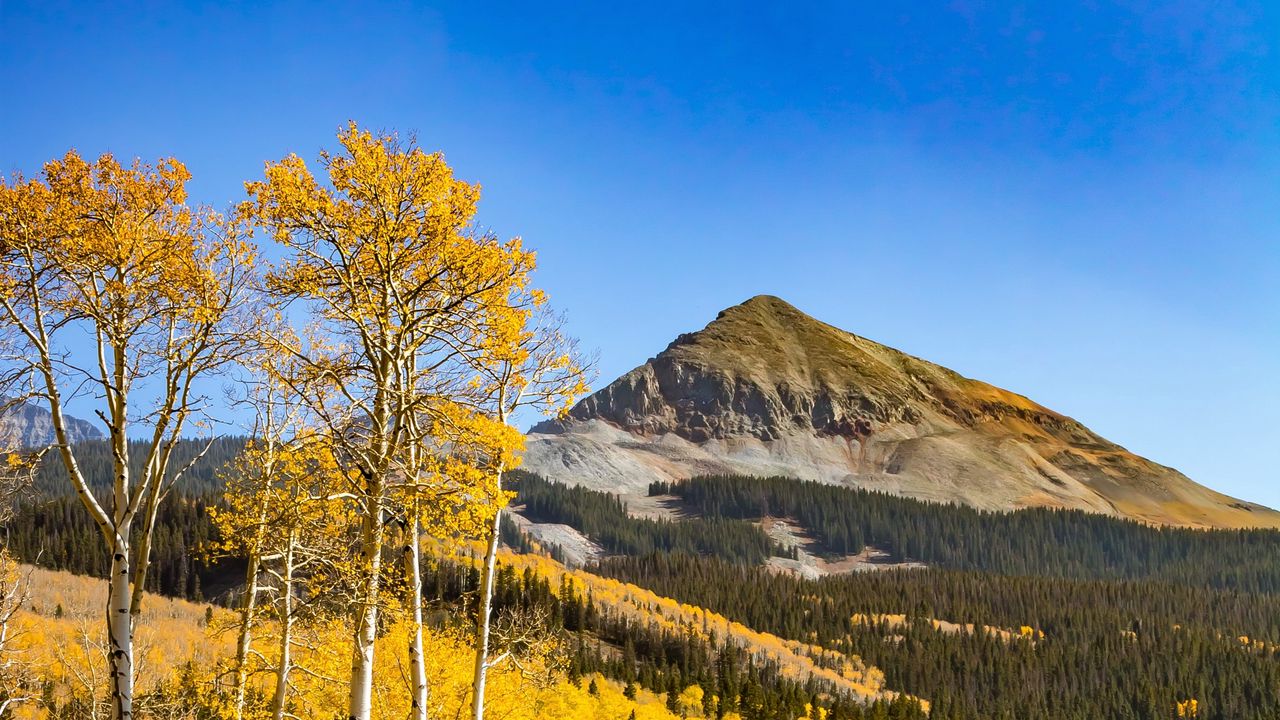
(817, 379)
(766, 389)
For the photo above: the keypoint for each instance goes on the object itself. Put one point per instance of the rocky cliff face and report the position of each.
(766, 389)
(700, 402)
(764, 369)
(25, 425)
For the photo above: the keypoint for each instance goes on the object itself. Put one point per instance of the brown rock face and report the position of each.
(765, 369)
(766, 389)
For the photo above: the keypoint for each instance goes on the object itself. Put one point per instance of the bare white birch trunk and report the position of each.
(244, 640)
(362, 655)
(486, 604)
(120, 628)
(280, 699)
(417, 662)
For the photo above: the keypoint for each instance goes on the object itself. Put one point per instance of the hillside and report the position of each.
(1008, 609)
(751, 521)
(766, 390)
(1037, 614)
(186, 644)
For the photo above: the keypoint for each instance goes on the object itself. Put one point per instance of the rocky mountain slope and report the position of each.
(23, 425)
(767, 390)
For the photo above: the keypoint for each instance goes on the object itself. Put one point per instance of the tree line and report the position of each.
(1053, 543)
(55, 533)
(644, 653)
(604, 518)
(201, 463)
(1033, 541)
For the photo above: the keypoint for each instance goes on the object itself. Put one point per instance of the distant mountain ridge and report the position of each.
(765, 389)
(26, 425)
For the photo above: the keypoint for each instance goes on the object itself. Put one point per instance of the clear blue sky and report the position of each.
(1082, 205)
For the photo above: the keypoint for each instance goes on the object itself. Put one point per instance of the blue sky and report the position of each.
(1078, 202)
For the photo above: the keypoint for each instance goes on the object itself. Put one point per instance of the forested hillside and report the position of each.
(197, 461)
(58, 534)
(1035, 541)
(717, 515)
(648, 644)
(1110, 649)
(1153, 616)
(50, 527)
(604, 518)
(1147, 609)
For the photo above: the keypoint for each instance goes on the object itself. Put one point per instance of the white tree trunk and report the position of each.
(417, 663)
(120, 628)
(360, 706)
(280, 699)
(486, 604)
(248, 611)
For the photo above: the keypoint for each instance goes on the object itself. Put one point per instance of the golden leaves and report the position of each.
(117, 245)
(414, 304)
(425, 332)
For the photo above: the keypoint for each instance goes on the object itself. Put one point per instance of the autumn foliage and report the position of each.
(383, 355)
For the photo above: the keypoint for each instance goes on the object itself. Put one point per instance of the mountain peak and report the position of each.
(765, 389)
(763, 303)
(764, 310)
(766, 319)
(27, 425)
(766, 369)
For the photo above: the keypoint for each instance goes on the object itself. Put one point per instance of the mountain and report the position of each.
(25, 425)
(768, 390)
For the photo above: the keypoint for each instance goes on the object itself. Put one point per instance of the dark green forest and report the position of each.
(199, 462)
(52, 529)
(1135, 618)
(1041, 542)
(604, 518)
(1112, 649)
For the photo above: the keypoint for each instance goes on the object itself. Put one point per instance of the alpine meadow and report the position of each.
(820, 361)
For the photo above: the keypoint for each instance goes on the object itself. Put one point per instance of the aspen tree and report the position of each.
(115, 294)
(248, 521)
(384, 258)
(309, 540)
(411, 560)
(451, 495)
(281, 516)
(534, 365)
(438, 495)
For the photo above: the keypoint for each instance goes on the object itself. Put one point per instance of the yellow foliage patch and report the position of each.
(59, 631)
